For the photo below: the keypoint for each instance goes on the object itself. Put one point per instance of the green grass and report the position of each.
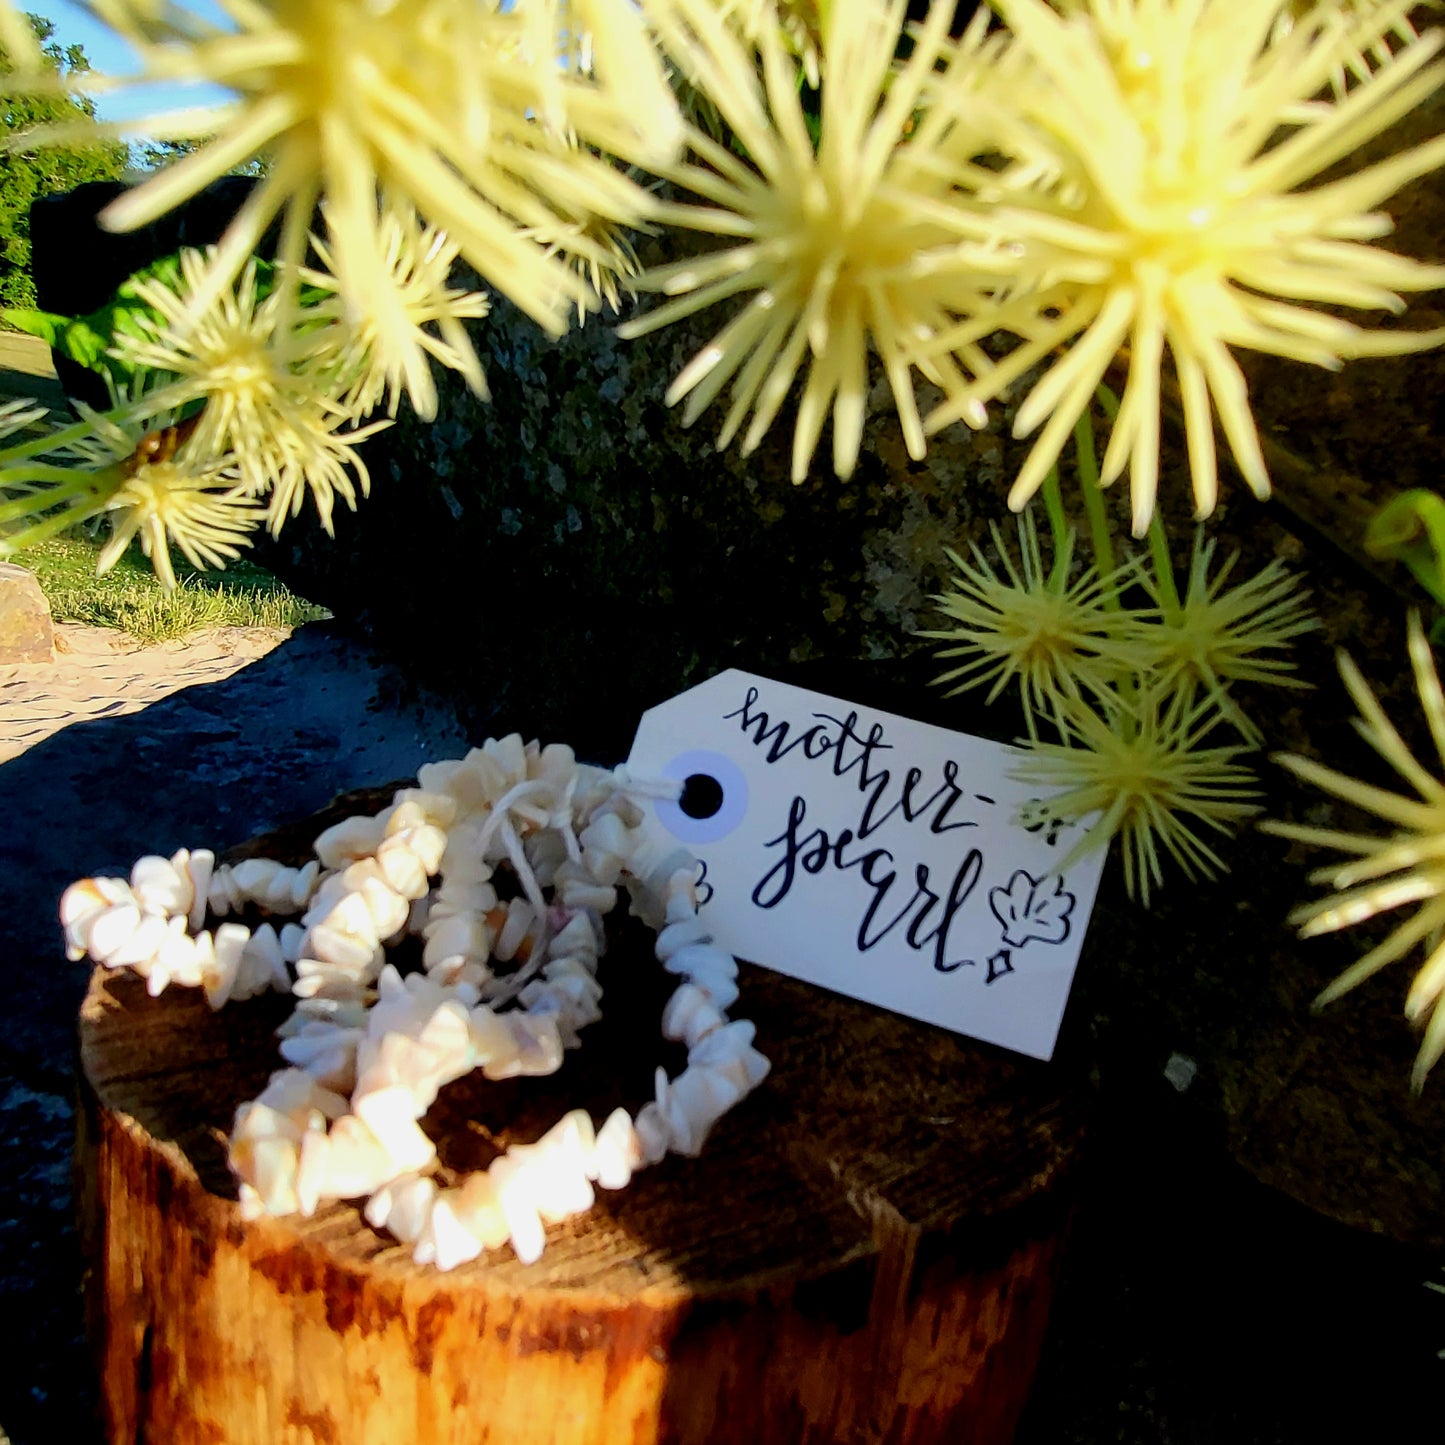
(128, 597)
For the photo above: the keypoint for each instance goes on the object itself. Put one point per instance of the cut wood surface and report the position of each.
(865, 1250)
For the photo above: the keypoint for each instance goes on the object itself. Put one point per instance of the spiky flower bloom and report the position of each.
(596, 247)
(828, 242)
(43, 491)
(270, 403)
(1189, 213)
(798, 23)
(1215, 634)
(388, 348)
(168, 504)
(447, 105)
(1056, 637)
(155, 483)
(56, 475)
(1403, 867)
(601, 254)
(1141, 771)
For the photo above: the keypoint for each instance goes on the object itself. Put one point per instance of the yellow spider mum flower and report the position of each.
(386, 349)
(600, 253)
(59, 475)
(268, 403)
(1056, 637)
(1403, 867)
(170, 505)
(1189, 214)
(828, 241)
(446, 104)
(595, 247)
(44, 488)
(153, 482)
(1142, 772)
(1215, 634)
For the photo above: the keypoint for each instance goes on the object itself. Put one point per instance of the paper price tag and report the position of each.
(870, 854)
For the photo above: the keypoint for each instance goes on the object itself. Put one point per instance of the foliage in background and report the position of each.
(155, 155)
(24, 175)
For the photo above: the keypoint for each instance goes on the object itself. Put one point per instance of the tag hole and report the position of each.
(702, 796)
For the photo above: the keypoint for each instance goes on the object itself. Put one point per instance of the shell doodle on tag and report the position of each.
(1027, 915)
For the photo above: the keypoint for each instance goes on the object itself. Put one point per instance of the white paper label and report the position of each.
(870, 854)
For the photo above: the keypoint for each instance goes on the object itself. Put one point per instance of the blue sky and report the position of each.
(106, 53)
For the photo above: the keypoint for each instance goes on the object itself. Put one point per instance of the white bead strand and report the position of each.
(507, 986)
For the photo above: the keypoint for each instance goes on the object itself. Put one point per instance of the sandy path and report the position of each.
(99, 672)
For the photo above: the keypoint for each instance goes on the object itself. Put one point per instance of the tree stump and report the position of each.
(865, 1251)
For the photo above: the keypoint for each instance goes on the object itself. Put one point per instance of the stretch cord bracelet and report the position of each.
(505, 986)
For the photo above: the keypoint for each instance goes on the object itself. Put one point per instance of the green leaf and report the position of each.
(1411, 529)
(83, 343)
(26, 174)
(47, 325)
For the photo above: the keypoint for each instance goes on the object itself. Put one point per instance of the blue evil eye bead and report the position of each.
(714, 797)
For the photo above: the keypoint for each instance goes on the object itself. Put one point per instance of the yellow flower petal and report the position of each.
(1394, 870)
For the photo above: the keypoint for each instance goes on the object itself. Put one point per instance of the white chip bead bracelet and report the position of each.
(506, 985)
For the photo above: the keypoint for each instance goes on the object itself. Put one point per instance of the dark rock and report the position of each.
(568, 554)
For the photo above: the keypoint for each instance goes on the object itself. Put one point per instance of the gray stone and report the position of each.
(26, 632)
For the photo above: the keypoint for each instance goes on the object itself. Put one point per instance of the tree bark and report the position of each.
(864, 1252)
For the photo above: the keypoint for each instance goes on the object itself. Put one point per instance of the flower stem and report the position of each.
(1058, 527)
(1128, 688)
(1164, 570)
(1094, 510)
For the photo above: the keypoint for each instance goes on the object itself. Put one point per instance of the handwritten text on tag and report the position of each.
(870, 854)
